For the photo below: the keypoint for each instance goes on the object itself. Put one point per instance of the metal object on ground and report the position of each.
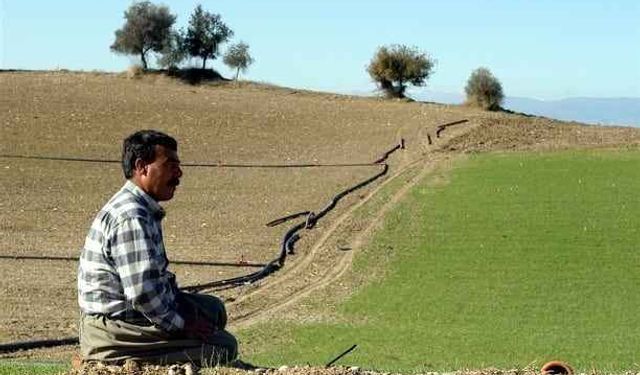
(341, 355)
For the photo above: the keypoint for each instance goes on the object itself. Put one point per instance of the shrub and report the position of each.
(484, 90)
(395, 66)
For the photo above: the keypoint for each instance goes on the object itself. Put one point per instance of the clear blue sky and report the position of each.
(538, 48)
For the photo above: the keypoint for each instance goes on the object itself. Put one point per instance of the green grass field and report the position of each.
(11, 367)
(515, 260)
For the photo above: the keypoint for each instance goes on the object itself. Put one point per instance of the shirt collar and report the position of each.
(154, 207)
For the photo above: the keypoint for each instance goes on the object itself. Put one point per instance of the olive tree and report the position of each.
(394, 67)
(206, 32)
(484, 90)
(174, 53)
(147, 28)
(237, 57)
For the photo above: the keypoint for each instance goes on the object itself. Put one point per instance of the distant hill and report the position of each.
(605, 111)
(602, 111)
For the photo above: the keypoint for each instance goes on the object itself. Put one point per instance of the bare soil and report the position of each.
(218, 214)
(502, 132)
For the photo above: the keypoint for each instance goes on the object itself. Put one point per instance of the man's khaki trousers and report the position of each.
(103, 339)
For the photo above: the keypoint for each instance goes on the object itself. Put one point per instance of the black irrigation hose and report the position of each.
(310, 223)
(291, 235)
(58, 158)
(301, 165)
(314, 217)
(289, 239)
(286, 218)
(179, 262)
(206, 165)
(441, 128)
(35, 344)
(340, 356)
(385, 156)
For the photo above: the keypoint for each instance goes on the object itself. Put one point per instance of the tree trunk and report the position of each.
(204, 62)
(237, 73)
(388, 88)
(144, 60)
(401, 89)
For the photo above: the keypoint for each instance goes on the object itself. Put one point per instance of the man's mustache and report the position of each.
(174, 182)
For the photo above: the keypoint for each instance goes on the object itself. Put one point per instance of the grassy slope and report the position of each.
(520, 259)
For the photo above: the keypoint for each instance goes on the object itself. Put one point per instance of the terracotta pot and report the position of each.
(556, 368)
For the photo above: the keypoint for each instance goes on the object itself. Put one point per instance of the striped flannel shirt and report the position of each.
(123, 267)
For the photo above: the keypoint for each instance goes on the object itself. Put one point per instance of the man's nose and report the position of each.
(179, 172)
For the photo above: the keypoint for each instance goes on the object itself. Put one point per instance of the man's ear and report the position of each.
(140, 166)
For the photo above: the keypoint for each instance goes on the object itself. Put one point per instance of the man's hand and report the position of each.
(199, 328)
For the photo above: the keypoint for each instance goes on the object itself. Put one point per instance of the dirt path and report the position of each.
(345, 260)
(323, 265)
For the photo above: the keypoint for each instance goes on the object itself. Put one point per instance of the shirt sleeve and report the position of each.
(140, 265)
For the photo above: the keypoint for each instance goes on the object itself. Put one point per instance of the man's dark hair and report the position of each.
(141, 145)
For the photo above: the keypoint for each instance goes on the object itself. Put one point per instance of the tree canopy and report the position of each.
(395, 66)
(206, 32)
(238, 57)
(173, 52)
(484, 90)
(147, 28)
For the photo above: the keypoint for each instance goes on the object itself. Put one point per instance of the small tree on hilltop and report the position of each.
(205, 33)
(484, 90)
(395, 66)
(174, 52)
(147, 28)
(237, 57)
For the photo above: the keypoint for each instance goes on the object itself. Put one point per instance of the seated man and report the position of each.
(131, 307)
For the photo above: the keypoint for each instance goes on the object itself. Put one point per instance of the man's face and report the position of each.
(160, 178)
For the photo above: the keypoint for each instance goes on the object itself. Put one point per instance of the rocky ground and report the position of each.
(132, 368)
